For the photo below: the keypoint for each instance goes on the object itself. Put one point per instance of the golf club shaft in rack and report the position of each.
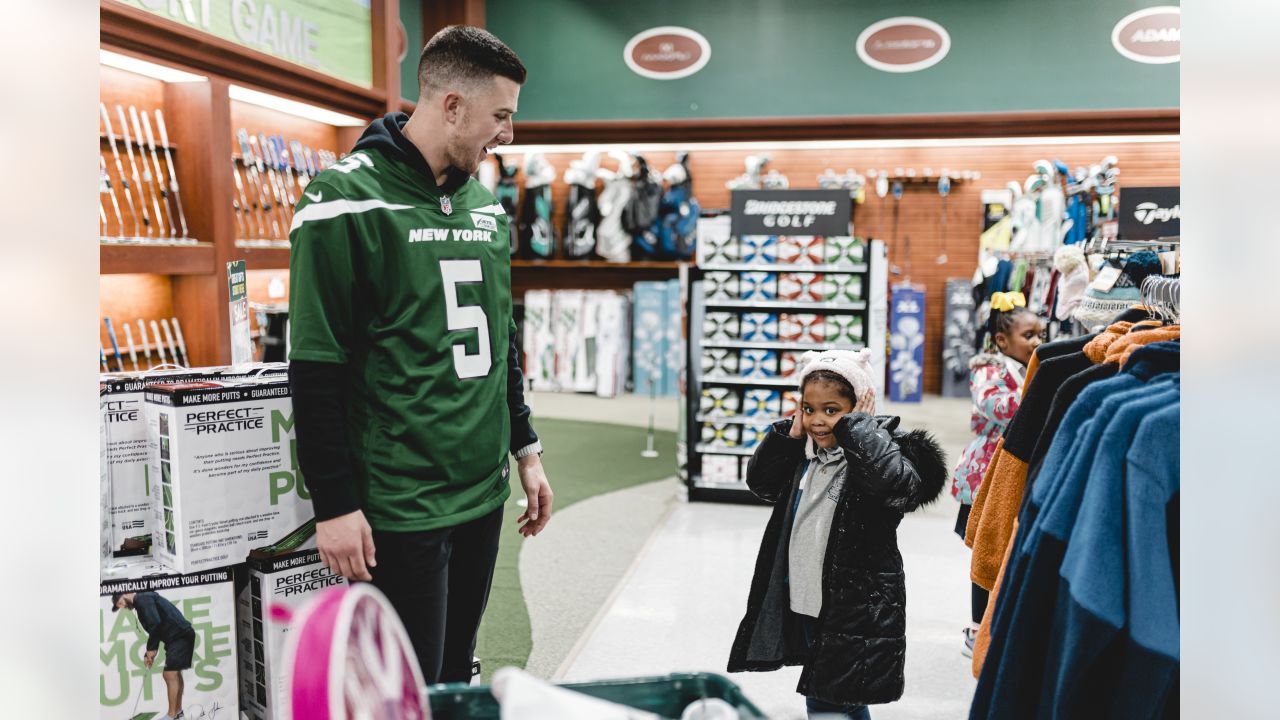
(128, 339)
(159, 343)
(173, 176)
(147, 177)
(115, 153)
(182, 344)
(115, 344)
(168, 338)
(263, 149)
(146, 344)
(159, 174)
(108, 188)
(239, 202)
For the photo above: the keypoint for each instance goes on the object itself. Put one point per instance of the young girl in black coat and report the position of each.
(828, 591)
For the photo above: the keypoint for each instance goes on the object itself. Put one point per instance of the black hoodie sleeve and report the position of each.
(522, 434)
(324, 455)
(773, 464)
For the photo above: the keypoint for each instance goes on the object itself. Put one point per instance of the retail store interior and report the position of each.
(696, 196)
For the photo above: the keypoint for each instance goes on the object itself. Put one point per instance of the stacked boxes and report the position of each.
(124, 427)
(227, 463)
(577, 341)
(127, 689)
(658, 343)
(288, 581)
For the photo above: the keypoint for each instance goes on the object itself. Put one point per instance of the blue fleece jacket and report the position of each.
(1114, 652)
(1012, 678)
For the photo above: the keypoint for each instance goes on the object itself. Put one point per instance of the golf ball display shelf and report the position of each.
(757, 304)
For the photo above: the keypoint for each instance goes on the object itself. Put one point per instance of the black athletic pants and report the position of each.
(438, 581)
(978, 597)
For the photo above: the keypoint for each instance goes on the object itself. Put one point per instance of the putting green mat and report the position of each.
(581, 460)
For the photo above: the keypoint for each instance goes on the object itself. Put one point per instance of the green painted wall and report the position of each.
(411, 18)
(780, 58)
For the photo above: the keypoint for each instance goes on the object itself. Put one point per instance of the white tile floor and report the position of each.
(680, 608)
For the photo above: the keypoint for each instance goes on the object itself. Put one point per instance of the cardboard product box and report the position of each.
(288, 580)
(721, 327)
(720, 470)
(674, 345)
(613, 345)
(567, 308)
(758, 285)
(127, 689)
(649, 339)
(539, 340)
(759, 327)
(716, 244)
(124, 425)
(226, 460)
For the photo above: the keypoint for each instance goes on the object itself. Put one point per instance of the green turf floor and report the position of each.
(582, 460)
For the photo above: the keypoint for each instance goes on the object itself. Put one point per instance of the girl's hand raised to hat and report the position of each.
(797, 424)
(867, 403)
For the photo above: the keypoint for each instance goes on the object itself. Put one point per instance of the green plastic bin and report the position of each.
(666, 695)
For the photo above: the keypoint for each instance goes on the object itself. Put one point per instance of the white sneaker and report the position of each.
(970, 636)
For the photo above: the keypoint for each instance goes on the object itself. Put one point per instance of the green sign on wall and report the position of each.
(329, 36)
(797, 58)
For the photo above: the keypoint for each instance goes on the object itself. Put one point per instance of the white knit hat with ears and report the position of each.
(848, 364)
(854, 367)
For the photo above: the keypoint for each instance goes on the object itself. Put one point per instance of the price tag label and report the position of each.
(1106, 279)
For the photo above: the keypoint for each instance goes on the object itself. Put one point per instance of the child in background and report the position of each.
(829, 591)
(995, 384)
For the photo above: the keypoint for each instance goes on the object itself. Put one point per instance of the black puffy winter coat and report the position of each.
(858, 653)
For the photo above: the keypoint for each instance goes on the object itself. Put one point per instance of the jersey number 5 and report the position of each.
(466, 317)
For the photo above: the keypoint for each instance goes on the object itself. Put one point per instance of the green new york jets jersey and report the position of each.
(411, 289)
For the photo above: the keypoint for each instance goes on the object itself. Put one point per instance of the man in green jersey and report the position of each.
(407, 388)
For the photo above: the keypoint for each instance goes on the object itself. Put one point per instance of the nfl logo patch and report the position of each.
(446, 205)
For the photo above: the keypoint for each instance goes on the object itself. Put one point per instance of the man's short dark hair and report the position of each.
(115, 600)
(460, 54)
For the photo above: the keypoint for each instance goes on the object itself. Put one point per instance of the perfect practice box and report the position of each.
(226, 460)
(127, 689)
(127, 506)
(289, 581)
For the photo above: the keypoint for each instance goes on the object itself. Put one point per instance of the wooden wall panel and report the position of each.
(1141, 163)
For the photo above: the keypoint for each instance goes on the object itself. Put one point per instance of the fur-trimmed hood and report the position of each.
(924, 452)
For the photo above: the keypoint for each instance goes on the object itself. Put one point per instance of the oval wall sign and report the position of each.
(903, 44)
(667, 53)
(1152, 36)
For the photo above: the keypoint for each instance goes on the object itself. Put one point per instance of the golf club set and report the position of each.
(170, 348)
(149, 188)
(638, 214)
(270, 176)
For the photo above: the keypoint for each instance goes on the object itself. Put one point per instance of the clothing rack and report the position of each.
(1163, 294)
(1102, 245)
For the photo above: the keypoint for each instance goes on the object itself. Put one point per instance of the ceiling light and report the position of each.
(148, 69)
(292, 107)
(833, 144)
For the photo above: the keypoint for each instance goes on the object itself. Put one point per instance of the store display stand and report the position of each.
(745, 336)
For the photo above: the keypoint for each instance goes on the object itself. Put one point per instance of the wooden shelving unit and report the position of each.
(188, 281)
(120, 259)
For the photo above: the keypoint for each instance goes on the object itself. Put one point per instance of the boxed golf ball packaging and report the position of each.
(127, 688)
(124, 426)
(289, 581)
(226, 458)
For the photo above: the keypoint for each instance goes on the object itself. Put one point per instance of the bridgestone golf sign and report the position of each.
(903, 44)
(667, 53)
(1152, 36)
(791, 212)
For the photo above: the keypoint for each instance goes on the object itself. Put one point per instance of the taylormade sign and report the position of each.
(1152, 36)
(333, 37)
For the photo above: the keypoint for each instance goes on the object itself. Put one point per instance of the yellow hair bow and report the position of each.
(1006, 301)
